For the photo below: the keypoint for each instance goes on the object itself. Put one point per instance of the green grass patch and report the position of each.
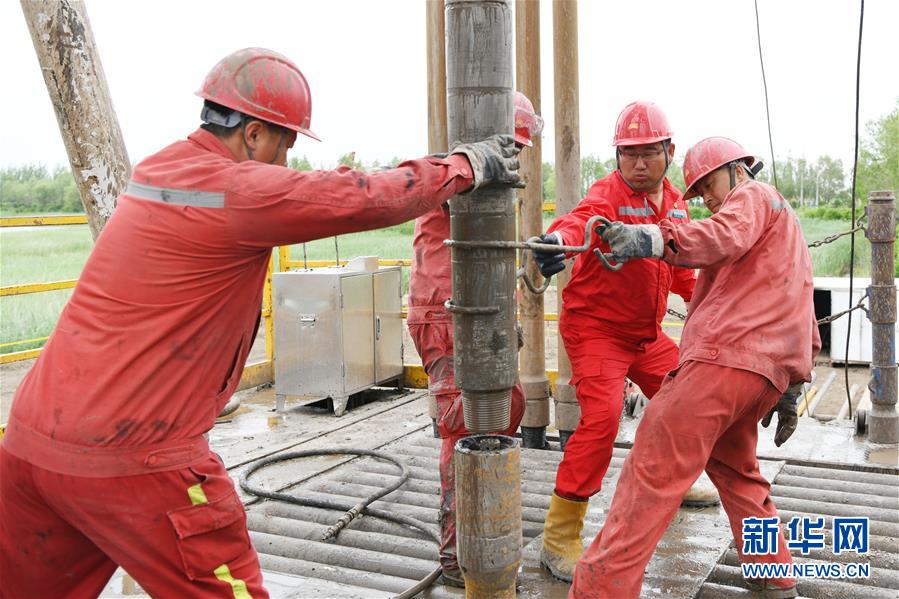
(45, 254)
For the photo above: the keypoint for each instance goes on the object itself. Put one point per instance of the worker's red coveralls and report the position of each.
(750, 334)
(104, 460)
(431, 329)
(610, 324)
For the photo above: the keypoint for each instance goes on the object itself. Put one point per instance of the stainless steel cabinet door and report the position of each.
(358, 332)
(388, 323)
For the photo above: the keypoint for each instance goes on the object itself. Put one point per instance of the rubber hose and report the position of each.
(346, 507)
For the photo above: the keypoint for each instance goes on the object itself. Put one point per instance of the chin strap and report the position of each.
(752, 171)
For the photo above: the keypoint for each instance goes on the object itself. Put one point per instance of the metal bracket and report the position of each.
(471, 310)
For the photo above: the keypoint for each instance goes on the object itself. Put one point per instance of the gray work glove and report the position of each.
(633, 241)
(787, 418)
(494, 161)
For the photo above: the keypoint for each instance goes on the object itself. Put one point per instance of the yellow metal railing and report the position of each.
(42, 221)
(253, 372)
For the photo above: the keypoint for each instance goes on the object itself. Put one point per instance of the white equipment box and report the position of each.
(338, 331)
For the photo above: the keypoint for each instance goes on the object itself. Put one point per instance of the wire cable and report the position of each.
(758, 36)
(858, 72)
(352, 511)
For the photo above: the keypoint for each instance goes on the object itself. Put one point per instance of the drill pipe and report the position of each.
(479, 104)
(488, 514)
(883, 421)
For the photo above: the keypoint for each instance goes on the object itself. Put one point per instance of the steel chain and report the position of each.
(835, 236)
(674, 312)
(858, 306)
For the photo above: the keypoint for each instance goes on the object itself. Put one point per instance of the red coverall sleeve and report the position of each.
(722, 238)
(683, 281)
(571, 226)
(272, 205)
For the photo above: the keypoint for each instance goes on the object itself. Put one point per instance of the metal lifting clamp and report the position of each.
(535, 245)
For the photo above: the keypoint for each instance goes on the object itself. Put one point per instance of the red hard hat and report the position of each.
(708, 155)
(261, 84)
(527, 122)
(641, 123)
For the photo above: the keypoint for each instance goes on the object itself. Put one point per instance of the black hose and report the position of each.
(351, 510)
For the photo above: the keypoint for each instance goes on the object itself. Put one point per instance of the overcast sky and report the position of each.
(365, 62)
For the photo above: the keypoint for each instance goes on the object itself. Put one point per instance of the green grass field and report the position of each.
(45, 254)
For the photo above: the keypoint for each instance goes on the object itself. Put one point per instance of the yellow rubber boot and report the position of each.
(562, 546)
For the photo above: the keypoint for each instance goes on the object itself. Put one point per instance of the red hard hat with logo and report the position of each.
(709, 154)
(527, 122)
(262, 84)
(641, 123)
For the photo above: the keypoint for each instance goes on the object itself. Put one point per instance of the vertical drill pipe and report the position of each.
(883, 421)
(436, 58)
(479, 104)
(488, 514)
(568, 180)
(533, 353)
(69, 61)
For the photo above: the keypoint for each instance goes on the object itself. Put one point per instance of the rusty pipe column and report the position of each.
(479, 104)
(568, 181)
(70, 64)
(883, 421)
(436, 59)
(488, 514)
(533, 354)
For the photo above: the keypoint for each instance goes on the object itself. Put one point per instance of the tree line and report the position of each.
(824, 183)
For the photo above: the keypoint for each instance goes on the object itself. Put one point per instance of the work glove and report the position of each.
(633, 241)
(550, 263)
(787, 418)
(494, 161)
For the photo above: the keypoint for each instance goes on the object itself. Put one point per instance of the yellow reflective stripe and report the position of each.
(238, 587)
(196, 494)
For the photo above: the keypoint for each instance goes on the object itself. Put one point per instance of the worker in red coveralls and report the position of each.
(431, 329)
(104, 462)
(748, 345)
(611, 321)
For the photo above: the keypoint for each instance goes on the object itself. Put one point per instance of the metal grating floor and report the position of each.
(828, 491)
(373, 558)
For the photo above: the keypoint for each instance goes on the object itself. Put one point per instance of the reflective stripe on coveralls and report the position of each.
(238, 586)
(180, 197)
(223, 573)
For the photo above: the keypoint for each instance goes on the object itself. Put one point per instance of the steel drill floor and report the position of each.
(823, 471)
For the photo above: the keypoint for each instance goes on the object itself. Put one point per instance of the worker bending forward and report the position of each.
(104, 462)
(748, 345)
(431, 329)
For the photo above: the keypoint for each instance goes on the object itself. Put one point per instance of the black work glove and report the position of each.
(550, 263)
(494, 161)
(787, 418)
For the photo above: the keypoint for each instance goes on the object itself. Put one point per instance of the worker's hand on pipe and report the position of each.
(494, 161)
(633, 241)
(550, 263)
(787, 418)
